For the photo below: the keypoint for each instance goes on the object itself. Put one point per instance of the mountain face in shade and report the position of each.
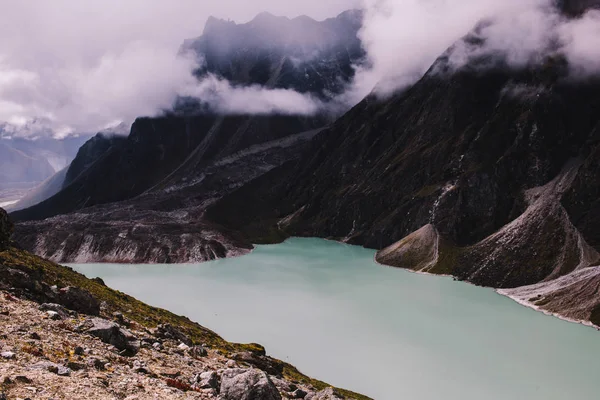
(490, 175)
(89, 153)
(159, 152)
(577, 7)
(302, 54)
(113, 169)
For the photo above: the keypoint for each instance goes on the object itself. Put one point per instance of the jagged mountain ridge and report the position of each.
(155, 150)
(107, 172)
(302, 54)
(142, 199)
(163, 225)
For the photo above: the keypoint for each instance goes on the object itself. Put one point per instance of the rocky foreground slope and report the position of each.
(65, 336)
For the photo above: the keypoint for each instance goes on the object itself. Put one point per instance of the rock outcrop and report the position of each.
(111, 333)
(251, 384)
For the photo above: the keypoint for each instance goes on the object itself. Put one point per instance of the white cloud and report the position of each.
(581, 41)
(81, 65)
(404, 37)
(221, 96)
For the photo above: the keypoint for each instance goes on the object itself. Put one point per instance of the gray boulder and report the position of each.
(57, 308)
(167, 331)
(79, 300)
(206, 380)
(247, 384)
(111, 333)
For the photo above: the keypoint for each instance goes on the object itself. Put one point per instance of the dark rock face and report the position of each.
(79, 300)
(29, 283)
(260, 361)
(577, 7)
(6, 229)
(162, 151)
(167, 331)
(300, 54)
(472, 154)
(166, 224)
(89, 153)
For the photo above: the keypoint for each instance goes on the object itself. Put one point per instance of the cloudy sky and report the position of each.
(84, 65)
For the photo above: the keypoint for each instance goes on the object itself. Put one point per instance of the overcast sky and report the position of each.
(86, 64)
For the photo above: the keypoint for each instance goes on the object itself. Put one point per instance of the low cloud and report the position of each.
(580, 40)
(403, 38)
(78, 66)
(221, 96)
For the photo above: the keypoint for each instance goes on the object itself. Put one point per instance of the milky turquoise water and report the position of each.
(330, 310)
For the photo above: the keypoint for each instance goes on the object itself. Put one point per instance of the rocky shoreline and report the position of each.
(65, 336)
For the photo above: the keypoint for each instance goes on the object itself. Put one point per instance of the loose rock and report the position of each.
(79, 300)
(206, 380)
(111, 333)
(249, 384)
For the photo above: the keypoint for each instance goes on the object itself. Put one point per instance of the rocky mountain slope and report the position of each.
(65, 336)
(141, 199)
(487, 173)
(302, 54)
(165, 224)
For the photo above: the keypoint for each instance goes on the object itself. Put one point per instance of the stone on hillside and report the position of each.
(327, 394)
(299, 394)
(157, 346)
(247, 384)
(57, 369)
(183, 347)
(53, 315)
(206, 380)
(111, 333)
(63, 312)
(8, 355)
(199, 351)
(167, 331)
(263, 363)
(78, 300)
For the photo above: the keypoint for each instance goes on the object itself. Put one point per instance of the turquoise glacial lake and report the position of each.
(330, 310)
